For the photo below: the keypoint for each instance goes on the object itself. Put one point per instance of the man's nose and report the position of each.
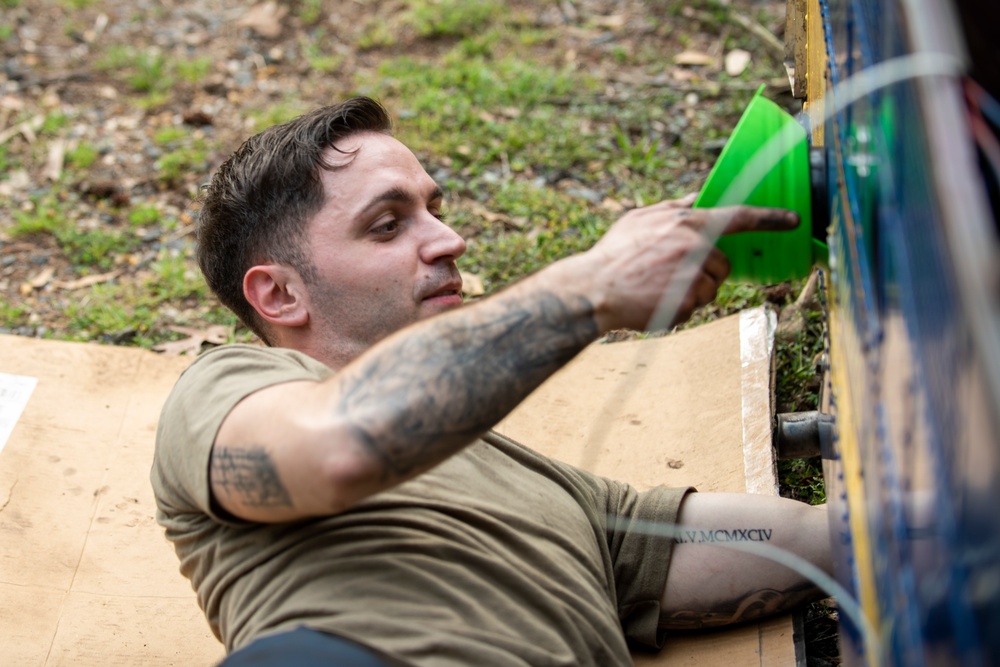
(442, 243)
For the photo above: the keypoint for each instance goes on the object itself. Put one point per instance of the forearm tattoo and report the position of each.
(248, 474)
(752, 606)
(434, 391)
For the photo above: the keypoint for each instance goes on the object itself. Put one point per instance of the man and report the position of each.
(341, 487)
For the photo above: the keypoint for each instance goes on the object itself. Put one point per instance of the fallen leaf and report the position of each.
(472, 285)
(11, 102)
(54, 164)
(86, 281)
(736, 62)
(610, 21)
(42, 278)
(693, 58)
(612, 205)
(264, 19)
(216, 335)
(17, 181)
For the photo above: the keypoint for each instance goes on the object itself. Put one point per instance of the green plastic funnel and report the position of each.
(765, 162)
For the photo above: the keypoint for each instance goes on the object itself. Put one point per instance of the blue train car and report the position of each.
(902, 100)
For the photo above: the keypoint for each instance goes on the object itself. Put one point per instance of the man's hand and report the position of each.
(665, 254)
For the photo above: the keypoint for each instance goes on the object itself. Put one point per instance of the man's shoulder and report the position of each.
(240, 358)
(226, 374)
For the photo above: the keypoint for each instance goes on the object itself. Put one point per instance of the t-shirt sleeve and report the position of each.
(639, 529)
(195, 409)
(641, 540)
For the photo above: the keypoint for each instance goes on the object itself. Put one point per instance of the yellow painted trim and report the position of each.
(816, 66)
(850, 458)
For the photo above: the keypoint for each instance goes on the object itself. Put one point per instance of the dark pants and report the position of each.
(302, 647)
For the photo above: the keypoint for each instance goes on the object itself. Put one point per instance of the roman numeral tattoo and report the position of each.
(724, 535)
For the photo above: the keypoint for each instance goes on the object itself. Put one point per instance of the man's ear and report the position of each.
(278, 294)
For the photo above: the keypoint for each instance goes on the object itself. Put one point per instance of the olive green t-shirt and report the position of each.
(498, 556)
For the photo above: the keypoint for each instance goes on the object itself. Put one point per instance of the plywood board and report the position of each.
(87, 577)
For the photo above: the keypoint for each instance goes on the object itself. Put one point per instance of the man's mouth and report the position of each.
(449, 291)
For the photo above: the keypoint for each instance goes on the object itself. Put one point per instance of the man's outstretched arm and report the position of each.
(711, 582)
(422, 394)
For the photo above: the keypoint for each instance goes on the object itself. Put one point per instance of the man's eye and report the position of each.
(386, 228)
(440, 215)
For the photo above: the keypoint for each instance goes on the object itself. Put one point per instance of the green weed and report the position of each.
(168, 135)
(318, 59)
(93, 247)
(377, 33)
(175, 278)
(262, 119)
(82, 156)
(310, 11)
(195, 70)
(802, 479)
(54, 122)
(152, 100)
(115, 57)
(173, 166)
(149, 72)
(640, 155)
(109, 309)
(480, 46)
(11, 314)
(45, 217)
(145, 215)
(454, 18)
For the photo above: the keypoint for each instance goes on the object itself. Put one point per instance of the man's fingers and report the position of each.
(716, 266)
(736, 219)
(687, 201)
(705, 290)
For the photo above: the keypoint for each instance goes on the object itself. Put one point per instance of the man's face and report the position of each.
(383, 257)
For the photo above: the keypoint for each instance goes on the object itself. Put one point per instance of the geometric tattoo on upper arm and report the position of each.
(249, 475)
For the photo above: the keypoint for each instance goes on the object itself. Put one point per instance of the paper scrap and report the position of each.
(15, 390)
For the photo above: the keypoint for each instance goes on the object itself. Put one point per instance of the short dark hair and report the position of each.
(256, 206)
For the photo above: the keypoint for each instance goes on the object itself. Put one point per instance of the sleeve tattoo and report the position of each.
(448, 384)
